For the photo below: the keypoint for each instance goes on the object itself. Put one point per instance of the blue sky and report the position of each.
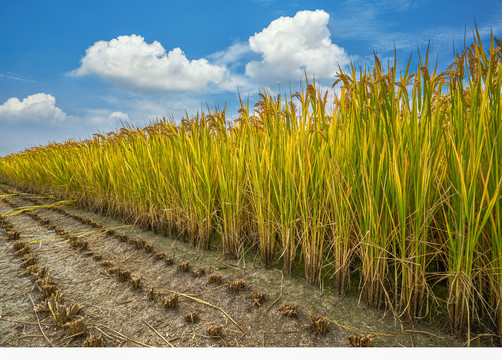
(70, 68)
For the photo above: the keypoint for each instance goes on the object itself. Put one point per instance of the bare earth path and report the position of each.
(96, 281)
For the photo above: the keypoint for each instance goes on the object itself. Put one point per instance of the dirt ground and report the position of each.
(75, 278)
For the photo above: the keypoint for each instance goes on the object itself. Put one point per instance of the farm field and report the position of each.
(120, 315)
(374, 213)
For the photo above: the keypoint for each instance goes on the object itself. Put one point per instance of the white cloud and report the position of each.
(11, 77)
(34, 108)
(291, 44)
(280, 52)
(133, 64)
(231, 55)
(118, 116)
(103, 118)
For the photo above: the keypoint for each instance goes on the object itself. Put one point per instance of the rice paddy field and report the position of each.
(391, 191)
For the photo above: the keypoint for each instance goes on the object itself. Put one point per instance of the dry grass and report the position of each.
(170, 301)
(360, 340)
(199, 272)
(288, 310)
(77, 326)
(183, 267)
(215, 330)
(93, 341)
(258, 298)
(236, 285)
(192, 317)
(318, 324)
(214, 279)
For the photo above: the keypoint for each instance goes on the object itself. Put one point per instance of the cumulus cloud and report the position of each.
(133, 64)
(290, 45)
(37, 107)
